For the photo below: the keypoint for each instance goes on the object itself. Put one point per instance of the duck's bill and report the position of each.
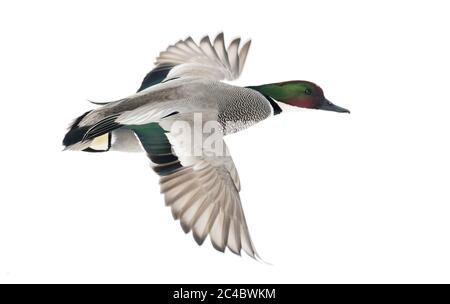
(328, 106)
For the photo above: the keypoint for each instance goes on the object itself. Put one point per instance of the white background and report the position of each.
(328, 197)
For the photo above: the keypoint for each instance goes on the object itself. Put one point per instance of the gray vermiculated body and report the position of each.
(234, 107)
(240, 108)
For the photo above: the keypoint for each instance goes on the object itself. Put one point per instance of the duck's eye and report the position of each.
(308, 91)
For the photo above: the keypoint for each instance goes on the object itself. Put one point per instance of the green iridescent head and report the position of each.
(299, 93)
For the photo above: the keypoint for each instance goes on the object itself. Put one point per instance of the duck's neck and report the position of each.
(269, 91)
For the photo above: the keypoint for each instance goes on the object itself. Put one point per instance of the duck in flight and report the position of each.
(202, 188)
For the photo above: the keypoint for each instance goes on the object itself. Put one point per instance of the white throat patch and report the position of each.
(287, 108)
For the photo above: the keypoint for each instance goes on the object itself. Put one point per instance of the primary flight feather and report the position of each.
(198, 179)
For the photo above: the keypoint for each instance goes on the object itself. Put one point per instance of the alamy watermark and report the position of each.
(199, 137)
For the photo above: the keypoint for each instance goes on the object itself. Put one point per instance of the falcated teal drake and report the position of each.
(201, 187)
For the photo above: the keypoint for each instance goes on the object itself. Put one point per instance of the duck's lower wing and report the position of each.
(199, 181)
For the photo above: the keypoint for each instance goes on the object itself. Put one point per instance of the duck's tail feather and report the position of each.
(105, 135)
(75, 138)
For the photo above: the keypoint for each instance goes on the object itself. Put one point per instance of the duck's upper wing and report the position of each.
(199, 182)
(211, 60)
